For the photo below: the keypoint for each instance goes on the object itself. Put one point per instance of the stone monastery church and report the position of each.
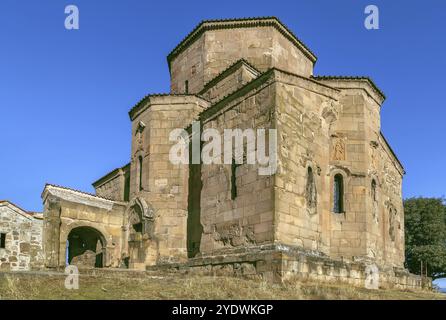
(332, 211)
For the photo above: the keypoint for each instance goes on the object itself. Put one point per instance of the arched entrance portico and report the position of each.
(86, 247)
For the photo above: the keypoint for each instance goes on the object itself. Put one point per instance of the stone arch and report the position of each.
(80, 223)
(139, 228)
(85, 245)
(138, 211)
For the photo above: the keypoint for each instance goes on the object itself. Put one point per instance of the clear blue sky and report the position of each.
(64, 95)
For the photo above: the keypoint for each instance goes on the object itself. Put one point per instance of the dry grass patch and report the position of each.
(27, 286)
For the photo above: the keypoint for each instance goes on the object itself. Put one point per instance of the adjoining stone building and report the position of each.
(20, 239)
(332, 211)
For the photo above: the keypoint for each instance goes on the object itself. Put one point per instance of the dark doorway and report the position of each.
(86, 247)
(194, 227)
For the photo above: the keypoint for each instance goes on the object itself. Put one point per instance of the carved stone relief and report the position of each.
(141, 220)
(234, 235)
(339, 149)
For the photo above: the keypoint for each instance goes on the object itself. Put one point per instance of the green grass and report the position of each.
(170, 286)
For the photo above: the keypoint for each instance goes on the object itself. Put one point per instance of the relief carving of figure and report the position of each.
(339, 150)
(392, 222)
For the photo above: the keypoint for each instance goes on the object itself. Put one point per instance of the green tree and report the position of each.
(425, 227)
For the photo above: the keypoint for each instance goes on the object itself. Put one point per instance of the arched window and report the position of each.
(2, 240)
(140, 173)
(338, 194)
(374, 190)
(233, 179)
(311, 193)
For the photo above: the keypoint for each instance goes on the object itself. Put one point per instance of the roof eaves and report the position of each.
(238, 23)
(353, 78)
(78, 191)
(146, 99)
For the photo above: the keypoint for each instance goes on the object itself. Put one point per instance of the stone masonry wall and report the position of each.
(23, 249)
(115, 185)
(281, 263)
(230, 83)
(305, 113)
(348, 157)
(215, 50)
(188, 66)
(359, 150)
(66, 210)
(263, 47)
(246, 220)
(164, 185)
(113, 189)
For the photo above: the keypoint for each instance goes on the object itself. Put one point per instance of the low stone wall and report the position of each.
(277, 263)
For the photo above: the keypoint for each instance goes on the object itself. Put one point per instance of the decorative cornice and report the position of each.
(146, 99)
(310, 79)
(207, 25)
(254, 83)
(353, 78)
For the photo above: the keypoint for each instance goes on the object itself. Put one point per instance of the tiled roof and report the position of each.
(374, 86)
(78, 191)
(239, 23)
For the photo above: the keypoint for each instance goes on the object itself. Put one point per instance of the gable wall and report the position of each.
(23, 240)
